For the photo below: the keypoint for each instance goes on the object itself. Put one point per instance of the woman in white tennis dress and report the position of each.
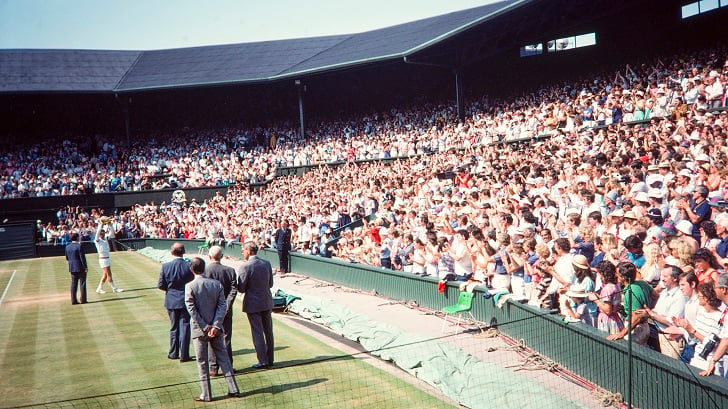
(102, 247)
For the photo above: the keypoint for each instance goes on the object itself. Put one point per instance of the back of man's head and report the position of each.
(74, 236)
(197, 265)
(216, 253)
(251, 246)
(627, 271)
(178, 249)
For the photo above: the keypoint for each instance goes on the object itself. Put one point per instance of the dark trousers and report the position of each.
(687, 353)
(261, 326)
(283, 260)
(179, 334)
(76, 279)
(386, 262)
(227, 327)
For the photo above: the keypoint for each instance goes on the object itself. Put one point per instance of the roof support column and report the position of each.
(124, 103)
(459, 92)
(127, 127)
(301, 89)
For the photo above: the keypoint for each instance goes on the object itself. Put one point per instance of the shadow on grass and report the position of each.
(299, 362)
(284, 387)
(116, 299)
(246, 351)
(131, 290)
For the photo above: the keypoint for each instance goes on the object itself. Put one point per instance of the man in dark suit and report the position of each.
(172, 279)
(227, 277)
(205, 301)
(282, 238)
(77, 267)
(255, 279)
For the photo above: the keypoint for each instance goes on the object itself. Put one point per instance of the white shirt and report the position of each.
(691, 309)
(463, 266)
(565, 270)
(102, 245)
(671, 304)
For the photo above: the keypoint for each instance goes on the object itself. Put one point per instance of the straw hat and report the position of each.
(580, 261)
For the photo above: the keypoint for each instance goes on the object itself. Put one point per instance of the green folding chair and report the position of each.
(203, 247)
(465, 303)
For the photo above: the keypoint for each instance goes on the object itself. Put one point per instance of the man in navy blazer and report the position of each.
(172, 279)
(77, 267)
(282, 237)
(205, 301)
(255, 279)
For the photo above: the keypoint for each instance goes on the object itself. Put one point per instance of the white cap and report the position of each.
(572, 210)
(641, 197)
(685, 227)
(703, 158)
(655, 179)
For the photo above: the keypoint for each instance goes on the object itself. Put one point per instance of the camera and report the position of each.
(710, 342)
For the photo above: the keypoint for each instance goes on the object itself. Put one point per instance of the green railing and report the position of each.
(657, 381)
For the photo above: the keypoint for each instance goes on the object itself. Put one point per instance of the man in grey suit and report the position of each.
(255, 279)
(227, 277)
(205, 301)
(172, 279)
(77, 267)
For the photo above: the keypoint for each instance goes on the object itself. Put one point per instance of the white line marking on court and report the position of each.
(7, 287)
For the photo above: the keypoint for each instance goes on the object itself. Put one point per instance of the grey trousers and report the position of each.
(203, 365)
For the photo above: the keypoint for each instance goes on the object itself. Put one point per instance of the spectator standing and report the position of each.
(78, 268)
(608, 299)
(698, 212)
(563, 270)
(707, 322)
(670, 305)
(716, 361)
(637, 294)
(172, 279)
(282, 239)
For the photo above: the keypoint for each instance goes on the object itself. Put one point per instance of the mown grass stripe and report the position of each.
(118, 320)
(7, 287)
(19, 358)
(7, 313)
(138, 276)
(51, 342)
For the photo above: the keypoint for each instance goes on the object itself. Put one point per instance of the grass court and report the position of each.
(112, 352)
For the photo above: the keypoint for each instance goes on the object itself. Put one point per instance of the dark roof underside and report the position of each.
(99, 71)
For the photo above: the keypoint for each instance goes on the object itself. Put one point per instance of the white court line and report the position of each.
(7, 287)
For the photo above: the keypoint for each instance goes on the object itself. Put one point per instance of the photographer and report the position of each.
(707, 326)
(716, 362)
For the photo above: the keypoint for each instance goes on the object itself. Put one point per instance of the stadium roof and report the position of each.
(106, 71)
(63, 70)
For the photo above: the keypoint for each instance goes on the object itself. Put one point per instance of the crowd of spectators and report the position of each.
(599, 212)
(685, 85)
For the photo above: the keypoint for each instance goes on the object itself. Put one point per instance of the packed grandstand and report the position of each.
(528, 194)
